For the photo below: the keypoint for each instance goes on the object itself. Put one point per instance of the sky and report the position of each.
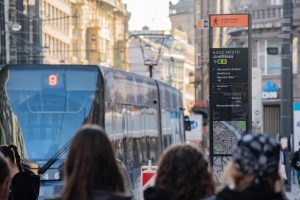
(153, 13)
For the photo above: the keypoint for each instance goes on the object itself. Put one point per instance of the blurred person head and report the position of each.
(255, 161)
(91, 165)
(183, 173)
(4, 178)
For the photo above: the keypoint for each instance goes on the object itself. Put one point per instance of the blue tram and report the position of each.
(42, 106)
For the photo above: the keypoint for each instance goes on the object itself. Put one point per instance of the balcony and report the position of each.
(76, 1)
(111, 3)
(266, 14)
(121, 8)
(264, 18)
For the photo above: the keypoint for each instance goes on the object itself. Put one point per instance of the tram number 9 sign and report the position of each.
(52, 80)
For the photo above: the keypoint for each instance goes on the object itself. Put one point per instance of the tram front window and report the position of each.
(50, 105)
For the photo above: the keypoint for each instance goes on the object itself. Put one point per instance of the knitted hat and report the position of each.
(256, 154)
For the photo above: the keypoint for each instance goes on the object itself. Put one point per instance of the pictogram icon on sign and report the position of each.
(216, 21)
(148, 174)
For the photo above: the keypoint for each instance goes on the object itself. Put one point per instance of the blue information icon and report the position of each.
(194, 124)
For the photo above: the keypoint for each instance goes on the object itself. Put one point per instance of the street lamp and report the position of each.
(151, 44)
(151, 56)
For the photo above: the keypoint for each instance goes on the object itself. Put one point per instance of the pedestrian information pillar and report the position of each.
(230, 85)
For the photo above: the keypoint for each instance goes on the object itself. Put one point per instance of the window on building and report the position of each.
(276, 2)
(51, 46)
(269, 64)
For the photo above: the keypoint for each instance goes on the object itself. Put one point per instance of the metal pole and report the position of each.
(211, 137)
(286, 104)
(7, 31)
(249, 117)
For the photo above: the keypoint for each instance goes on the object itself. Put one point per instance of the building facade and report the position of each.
(266, 30)
(64, 32)
(178, 67)
(17, 25)
(56, 32)
(266, 55)
(99, 34)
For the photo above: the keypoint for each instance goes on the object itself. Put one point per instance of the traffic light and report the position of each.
(187, 123)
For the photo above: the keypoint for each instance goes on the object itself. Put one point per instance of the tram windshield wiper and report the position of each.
(55, 157)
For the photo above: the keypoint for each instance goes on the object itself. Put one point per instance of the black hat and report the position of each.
(256, 154)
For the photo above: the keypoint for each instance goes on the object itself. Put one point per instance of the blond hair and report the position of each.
(239, 181)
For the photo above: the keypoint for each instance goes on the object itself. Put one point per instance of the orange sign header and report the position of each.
(228, 21)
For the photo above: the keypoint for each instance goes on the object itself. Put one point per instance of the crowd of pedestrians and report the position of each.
(91, 172)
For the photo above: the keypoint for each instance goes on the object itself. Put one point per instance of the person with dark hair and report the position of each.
(182, 174)
(4, 178)
(24, 184)
(253, 173)
(91, 170)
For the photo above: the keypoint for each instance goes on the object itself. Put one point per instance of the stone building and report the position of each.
(266, 50)
(99, 33)
(57, 17)
(181, 15)
(18, 24)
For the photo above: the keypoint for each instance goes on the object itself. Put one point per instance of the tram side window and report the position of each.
(144, 142)
(108, 121)
(152, 134)
(177, 128)
(135, 149)
(174, 118)
(182, 136)
(119, 133)
(135, 133)
(166, 129)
